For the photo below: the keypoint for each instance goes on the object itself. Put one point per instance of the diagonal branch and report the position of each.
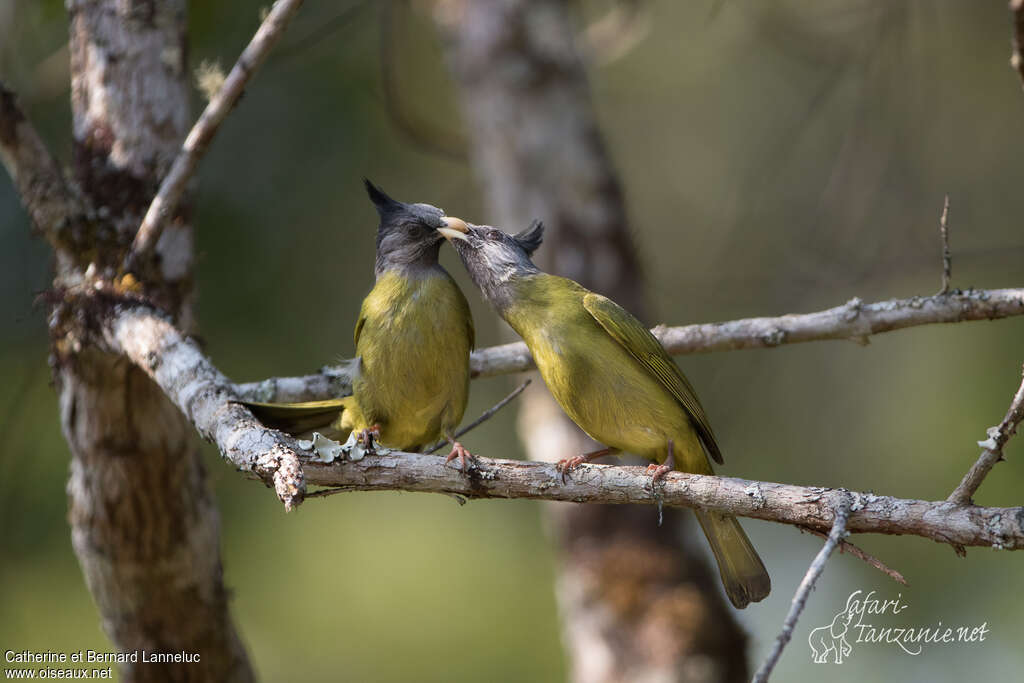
(219, 106)
(203, 394)
(40, 183)
(853, 320)
(484, 417)
(860, 554)
(835, 537)
(993, 450)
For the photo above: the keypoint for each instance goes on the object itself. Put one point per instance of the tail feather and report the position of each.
(302, 419)
(743, 574)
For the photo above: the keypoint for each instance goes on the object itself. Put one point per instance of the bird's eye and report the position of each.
(495, 234)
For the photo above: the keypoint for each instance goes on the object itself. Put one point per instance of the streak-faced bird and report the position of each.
(412, 339)
(610, 375)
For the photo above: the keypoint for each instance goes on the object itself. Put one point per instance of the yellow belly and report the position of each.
(414, 347)
(605, 391)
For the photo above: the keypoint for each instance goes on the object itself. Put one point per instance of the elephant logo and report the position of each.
(831, 639)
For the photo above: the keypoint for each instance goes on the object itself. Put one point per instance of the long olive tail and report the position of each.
(743, 574)
(302, 419)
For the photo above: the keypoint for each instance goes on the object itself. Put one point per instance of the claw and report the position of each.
(657, 471)
(567, 465)
(368, 437)
(459, 451)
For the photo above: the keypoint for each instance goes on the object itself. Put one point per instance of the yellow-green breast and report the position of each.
(413, 337)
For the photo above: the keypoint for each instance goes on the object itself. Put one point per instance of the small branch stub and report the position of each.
(947, 258)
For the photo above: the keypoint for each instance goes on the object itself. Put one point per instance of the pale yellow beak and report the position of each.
(455, 229)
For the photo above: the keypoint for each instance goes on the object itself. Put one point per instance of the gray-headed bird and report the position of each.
(610, 375)
(412, 339)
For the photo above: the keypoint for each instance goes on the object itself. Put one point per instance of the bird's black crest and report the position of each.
(530, 238)
(380, 199)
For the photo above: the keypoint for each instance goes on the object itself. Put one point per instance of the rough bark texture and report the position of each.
(636, 605)
(144, 524)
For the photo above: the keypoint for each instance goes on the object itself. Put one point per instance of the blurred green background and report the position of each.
(777, 157)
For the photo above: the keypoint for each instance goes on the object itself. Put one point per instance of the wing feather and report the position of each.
(642, 345)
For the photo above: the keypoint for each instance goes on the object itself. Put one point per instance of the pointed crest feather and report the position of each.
(530, 238)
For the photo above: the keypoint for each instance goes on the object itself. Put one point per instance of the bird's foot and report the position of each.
(459, 451)
(368, 437)
(566, 465)
(657, 472)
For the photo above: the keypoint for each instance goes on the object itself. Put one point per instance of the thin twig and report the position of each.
(861, 554)
(993, 450)
(947, 258)
(324, 29)
(173, 185)
(486, 415)
(854, 320)
(835, 537)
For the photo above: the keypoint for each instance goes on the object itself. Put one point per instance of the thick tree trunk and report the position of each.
(144, 524)
(637, 603)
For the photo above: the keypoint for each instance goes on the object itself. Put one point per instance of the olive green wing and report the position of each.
(643, 346)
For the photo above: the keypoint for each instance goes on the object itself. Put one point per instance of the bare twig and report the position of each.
(835, 537)
(173, 185)
(947, 259)
(44, 192)
(853, 320)
(324, 29)
(1016, 59)
(861, 554)
(486, 415)
(993, 450)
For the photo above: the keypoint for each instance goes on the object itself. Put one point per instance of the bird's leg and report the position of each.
(567, 465)
(659, 471)
(458, 451)
(368, 436)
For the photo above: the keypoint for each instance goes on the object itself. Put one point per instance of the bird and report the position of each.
(610, 375)
(413, 338)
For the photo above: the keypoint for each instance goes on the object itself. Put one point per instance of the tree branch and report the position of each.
(835, 537)
(204, 395)
(854, 321)
(993, 450)
(40, 183)
(206, 398)
(173, 185)
(807, 506)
